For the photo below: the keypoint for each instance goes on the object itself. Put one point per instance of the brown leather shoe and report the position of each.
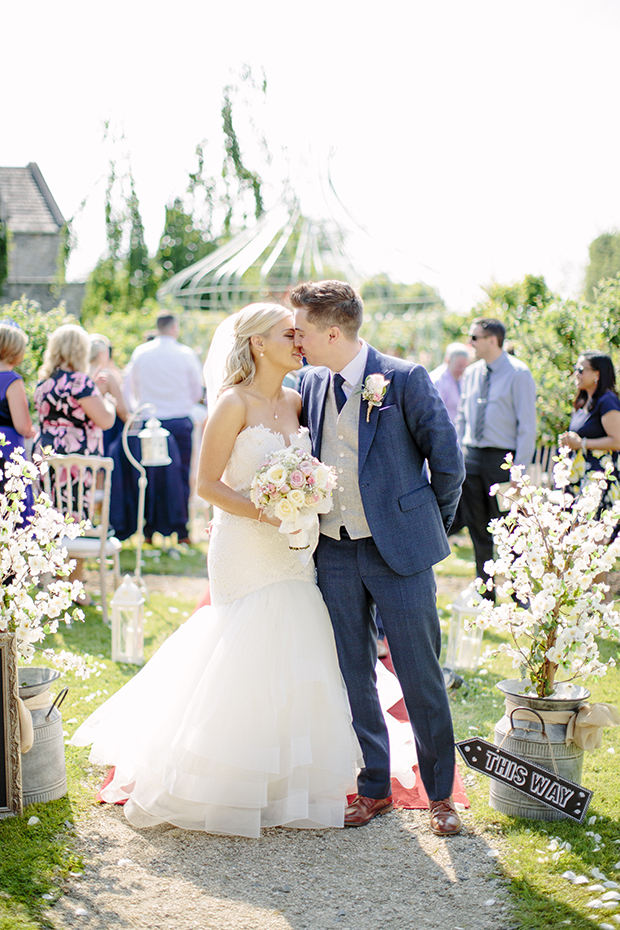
(444, 818)
(361, 810)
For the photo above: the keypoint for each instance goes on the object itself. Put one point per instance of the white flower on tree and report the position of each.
(28, 551)
(552, 550)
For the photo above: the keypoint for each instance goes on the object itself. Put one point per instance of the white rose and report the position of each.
(375, 383)
(321, 477)
(276, 475)
(284, 510)
(297, 498)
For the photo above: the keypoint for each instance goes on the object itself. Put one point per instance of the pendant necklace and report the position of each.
(274, 407)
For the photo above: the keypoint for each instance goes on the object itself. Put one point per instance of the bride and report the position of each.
(241, 719)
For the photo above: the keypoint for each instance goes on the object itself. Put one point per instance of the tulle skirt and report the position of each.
(239, 721)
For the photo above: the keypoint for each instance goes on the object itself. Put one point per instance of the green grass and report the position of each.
(36, 860)
(165, 558)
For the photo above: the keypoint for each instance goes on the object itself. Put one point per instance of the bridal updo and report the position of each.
(253, 320)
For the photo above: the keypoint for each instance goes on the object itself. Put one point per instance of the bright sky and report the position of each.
(473, 141)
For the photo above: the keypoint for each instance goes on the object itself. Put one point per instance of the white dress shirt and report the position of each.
(353, 371)
(167, 374)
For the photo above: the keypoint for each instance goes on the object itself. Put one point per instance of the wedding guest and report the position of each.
(168, 375)
(15, 423)
(497, 415)
(594, 432)
(72, 413)
(447, 377)
(108, 381)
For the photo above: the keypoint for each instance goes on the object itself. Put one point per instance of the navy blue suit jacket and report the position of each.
(407, 511)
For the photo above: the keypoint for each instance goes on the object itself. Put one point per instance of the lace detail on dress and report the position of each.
(245, 555)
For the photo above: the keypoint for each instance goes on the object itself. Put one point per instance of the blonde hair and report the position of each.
(98, 343)
(13, 342)
(253, 320)
(67, 347)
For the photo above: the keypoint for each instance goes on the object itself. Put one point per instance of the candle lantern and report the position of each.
(154, 443)
(464, 645)
(153, 452)
(128, 623)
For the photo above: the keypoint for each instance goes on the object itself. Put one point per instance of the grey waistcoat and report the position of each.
(339, 447)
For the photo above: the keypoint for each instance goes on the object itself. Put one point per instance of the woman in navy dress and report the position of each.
(15, 423)
(594, 432)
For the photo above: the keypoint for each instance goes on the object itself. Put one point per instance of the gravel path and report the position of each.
(394, 873)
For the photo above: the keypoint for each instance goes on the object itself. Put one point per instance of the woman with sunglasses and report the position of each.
(594, 432)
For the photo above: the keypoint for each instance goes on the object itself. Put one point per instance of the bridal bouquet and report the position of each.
(294, 487)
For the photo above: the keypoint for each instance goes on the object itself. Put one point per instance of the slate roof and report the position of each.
(26, 204)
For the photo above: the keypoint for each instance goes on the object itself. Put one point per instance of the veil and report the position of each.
(215, 366)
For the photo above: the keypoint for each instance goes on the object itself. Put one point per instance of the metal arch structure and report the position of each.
(264, 262)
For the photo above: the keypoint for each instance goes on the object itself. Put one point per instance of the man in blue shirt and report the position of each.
(497, 415)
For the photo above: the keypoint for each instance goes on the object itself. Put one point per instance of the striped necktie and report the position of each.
(481, 411)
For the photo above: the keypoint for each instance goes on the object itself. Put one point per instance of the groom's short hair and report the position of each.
(330, 303)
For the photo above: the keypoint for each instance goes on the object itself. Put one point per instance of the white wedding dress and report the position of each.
(241, 719)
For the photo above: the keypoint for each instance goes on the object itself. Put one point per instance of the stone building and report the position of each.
(34, 223)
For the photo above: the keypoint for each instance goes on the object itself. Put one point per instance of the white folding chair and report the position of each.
(71, 484)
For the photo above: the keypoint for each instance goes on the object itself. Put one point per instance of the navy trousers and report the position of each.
(351, 575)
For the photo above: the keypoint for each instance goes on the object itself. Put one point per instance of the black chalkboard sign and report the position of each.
(527, 777)
(10, 771)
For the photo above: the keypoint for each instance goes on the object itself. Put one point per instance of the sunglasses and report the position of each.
(580, 370)
(475, 338)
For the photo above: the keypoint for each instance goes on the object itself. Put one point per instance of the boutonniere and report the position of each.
(373, 391)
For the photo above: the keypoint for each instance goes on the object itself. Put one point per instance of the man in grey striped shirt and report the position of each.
(497, 415)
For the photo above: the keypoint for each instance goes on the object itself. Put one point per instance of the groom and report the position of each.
(386, 531)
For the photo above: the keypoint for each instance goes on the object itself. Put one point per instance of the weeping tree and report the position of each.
(215, 205)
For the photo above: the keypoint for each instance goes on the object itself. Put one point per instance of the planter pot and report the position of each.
(528, 740)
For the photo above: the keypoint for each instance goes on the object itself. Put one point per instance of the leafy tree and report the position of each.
(382, 295)
(138, 267)
(548, 334)
(38, 324)
(604, 254)
(123, 278)
(181, 243)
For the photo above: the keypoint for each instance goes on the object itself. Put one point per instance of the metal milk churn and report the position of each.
(44, 776)
(536, 742)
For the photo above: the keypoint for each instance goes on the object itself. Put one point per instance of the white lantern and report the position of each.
(154, 443)
(128, 623)
(464, 646)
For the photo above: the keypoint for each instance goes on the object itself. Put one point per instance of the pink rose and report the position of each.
(296, 478)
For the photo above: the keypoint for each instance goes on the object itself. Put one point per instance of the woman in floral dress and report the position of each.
(72, 412)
